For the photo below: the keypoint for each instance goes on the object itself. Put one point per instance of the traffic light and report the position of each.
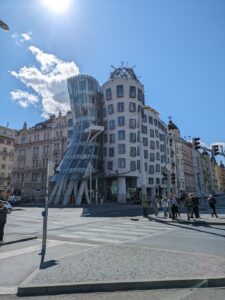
(173, 178)
(215, 150)
(196, 142)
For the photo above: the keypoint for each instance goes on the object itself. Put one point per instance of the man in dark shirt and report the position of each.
(3, 218)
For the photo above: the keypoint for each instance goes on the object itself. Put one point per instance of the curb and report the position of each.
(127, 285)
(19, 240)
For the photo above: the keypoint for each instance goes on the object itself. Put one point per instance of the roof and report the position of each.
(172, 126)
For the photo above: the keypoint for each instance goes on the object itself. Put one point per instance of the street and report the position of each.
(107, 243)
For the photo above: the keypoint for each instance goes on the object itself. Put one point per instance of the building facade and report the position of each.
(127, 124)
(7, 141)
(220, 174)
(33, 148)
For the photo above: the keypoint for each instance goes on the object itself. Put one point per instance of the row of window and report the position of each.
(121, 108)
(133, 93)
(134, 165)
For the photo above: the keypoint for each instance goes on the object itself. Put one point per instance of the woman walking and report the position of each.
(212, 204)
(165, 205)
(3, 217)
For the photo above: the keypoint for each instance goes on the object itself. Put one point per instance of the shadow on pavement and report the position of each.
(48, 264)
(192, 226)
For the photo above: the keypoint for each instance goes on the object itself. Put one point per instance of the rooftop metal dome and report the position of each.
(172, 126)
(123, 72)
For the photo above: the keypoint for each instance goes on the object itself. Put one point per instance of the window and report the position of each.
(150, 120)
(132, 91)
(157, 156)
(157, 180)
(110, 109)
(145, 154)
(140, 96)
(138, 165)
(70, 122)
(144, 129)
(132, 107)
(111, 151)
(155, 122)
(121, 121)
(121, 163)
(121, 148)
(112, 138)
(121, 135)
(156, 133)
(144, 119)
(119, 91)
(157, 144)
(105, 138)
(132, 137)
(120, 107)
(132, 123)
(152, 145)
(133, 165)
(104, 112)
(151, 180)
(112, 124)
(157, 168)
(145, 141)
(152, 156)
(110, 165)
(152, 133)
(70, 133)
(151, 169)
(108, 94)
(133, 151)
(105, 151)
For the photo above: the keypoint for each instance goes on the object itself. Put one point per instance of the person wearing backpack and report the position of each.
(3, 218)
(189, 206)
(212, 204)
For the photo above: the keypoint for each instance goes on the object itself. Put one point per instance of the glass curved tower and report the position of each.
(82, 160)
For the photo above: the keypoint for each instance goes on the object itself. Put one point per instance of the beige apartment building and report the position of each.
(181, 161)
(220, 175)
(34, 146)
(7, 140)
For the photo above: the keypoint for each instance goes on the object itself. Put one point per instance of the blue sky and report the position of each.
(177, 46)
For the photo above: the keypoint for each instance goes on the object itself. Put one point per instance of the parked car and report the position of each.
(8, 206)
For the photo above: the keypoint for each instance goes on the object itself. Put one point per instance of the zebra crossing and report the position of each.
(114, 231)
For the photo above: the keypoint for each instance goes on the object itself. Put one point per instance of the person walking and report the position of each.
(156, 204)
(212, 204)
(189, 206)
(3, 218)
(195, 206)
(173, 205)
(165, 205)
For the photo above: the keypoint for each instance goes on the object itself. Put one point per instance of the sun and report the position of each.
(57, 6)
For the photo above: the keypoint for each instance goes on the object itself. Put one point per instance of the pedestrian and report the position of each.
(156, 204)
(212, 204)
(173, 205)
(3, 217)
(165, 205)
(177, 213)
(195, 206)
(189, 206)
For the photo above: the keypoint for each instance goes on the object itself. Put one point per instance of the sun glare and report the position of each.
(57, 6)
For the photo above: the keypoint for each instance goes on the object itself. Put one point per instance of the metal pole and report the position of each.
(90, 182)
(143, 175)
(45, 220)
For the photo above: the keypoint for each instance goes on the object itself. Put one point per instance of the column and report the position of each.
(121, 195)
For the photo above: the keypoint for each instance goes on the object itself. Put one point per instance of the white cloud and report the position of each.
(20, 38)
(26, 36)
(25, 99)
(48, 81)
